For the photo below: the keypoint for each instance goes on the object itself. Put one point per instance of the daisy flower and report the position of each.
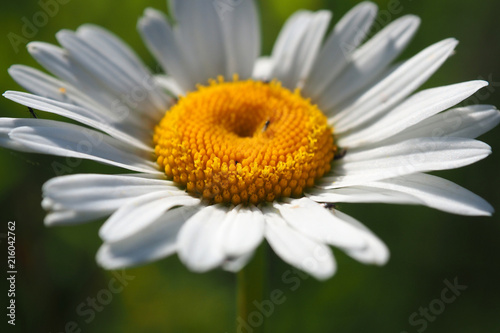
(231, 148)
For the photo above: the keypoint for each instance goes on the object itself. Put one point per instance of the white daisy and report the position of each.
(233, 160)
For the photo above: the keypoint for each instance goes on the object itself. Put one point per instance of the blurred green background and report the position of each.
(56, 267)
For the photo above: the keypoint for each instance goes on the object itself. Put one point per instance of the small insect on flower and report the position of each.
(340, 154)
(266, 125)
(32, 112)
(329, 206)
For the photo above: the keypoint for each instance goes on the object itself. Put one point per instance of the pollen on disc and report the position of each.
(244, 142)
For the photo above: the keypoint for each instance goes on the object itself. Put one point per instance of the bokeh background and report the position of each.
(57, 272)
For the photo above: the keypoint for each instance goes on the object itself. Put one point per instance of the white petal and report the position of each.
(87, 190)
(298, 250)
(466, 122)
(375, 252)
(416, 189)
(411, 156)
(390, 91)
(139, 213)
(73, 217)
(369, 61)
(89, 205)
(360, 193)
(79, 114)
(65, 185)
(236, 264)
(68, 140)
(412, 111)
(161, 42)
(170, 85)
(199, 29)
(312, 220)
(243, 231)
(293, 62)
(6, 127)
(263, 68)
(294, 25)
(346, 36)
(81, 198)
(58, 62)
(45, 85)
(241, 31)
(309, 48)
(156, 241)
(437, 193)
(287, 42)
(139, 91)
(114, 48)
(199, 243)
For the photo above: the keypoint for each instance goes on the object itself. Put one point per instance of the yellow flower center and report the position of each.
(244, 142)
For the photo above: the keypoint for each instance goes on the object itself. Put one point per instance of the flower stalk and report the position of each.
(251, 288)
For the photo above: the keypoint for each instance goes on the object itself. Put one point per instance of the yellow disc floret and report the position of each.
(244, 142)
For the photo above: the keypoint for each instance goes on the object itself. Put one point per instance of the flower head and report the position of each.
(230, 148)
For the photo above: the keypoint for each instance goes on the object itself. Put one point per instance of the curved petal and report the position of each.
(376, 252)
(85, 197)
(91, 190)
(65, 185)
(199, 29)
(243, 231)
(170, 85)
(404, 158)
(236, 264)
(139, 92)
(360, 193)
(311, 219)
(141, 212)
(199, 243)
(346, 36)
(416, 189)
(241, 29)
(47, 86)
(298, 250)
(114, 48)
(71, 141)
(58, 62)
(79, 114)
(412, 111)
(73, 217)
(302, 37)
(369, 61)
(465, 122)
(392, 89)
(154, 242)
(162, 43)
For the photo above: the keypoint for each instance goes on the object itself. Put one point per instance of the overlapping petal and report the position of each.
(392, 137)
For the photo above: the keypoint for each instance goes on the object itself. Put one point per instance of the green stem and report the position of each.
(251, 287)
